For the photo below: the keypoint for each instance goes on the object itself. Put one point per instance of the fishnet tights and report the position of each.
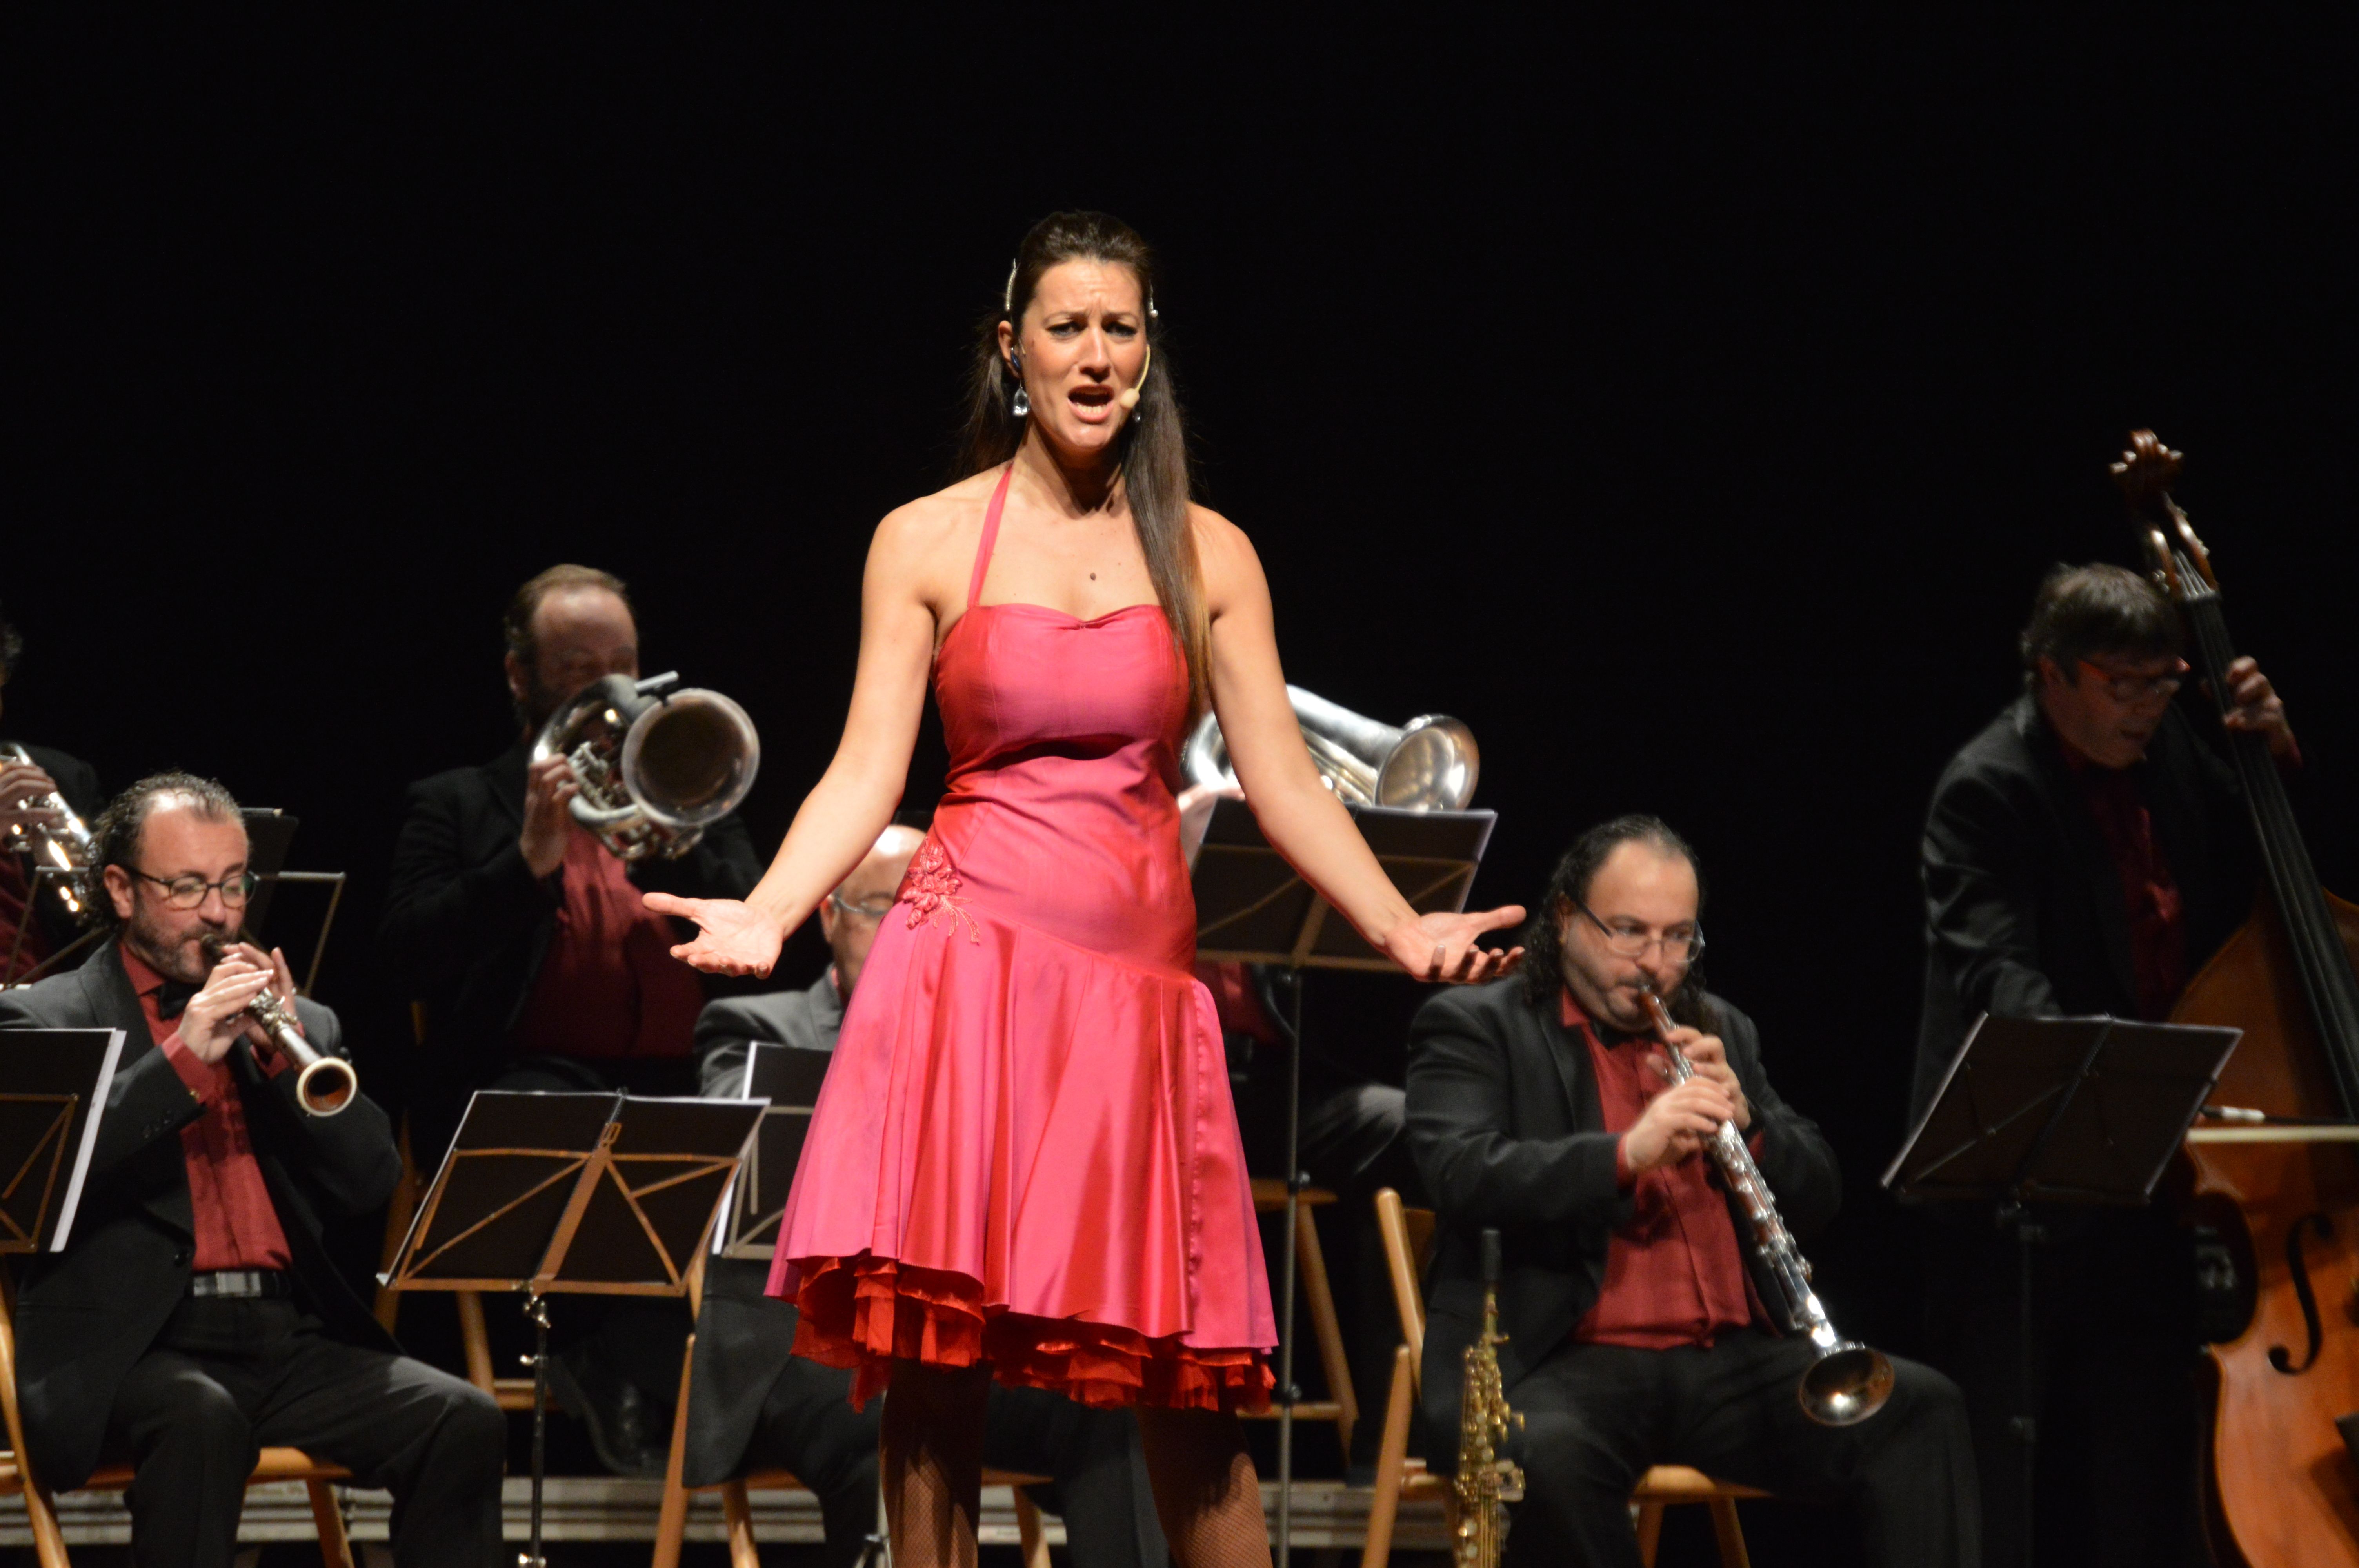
(931, 1454)
(1206, 1493)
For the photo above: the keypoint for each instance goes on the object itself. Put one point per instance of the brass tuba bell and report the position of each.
(1427, 765)
(657, 766)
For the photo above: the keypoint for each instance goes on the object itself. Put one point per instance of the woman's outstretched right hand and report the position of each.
(732, 938)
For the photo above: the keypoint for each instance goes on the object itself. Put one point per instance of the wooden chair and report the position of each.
(1408, 1242)
(48, 1543)
(1341, 1406)
(736, 1507)
(474, 1342)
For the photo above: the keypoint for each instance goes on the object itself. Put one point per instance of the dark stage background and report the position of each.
(1692, 414)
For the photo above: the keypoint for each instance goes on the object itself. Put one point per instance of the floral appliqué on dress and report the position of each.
(930, 888)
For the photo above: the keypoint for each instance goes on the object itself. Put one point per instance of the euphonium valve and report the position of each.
(323, 1084)
(656, 766)
(1427, 765)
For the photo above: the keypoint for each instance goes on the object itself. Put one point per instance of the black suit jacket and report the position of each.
(2024, 913)
(78, 781)
(466, 923)
(85, 1315)
(1504, 1122)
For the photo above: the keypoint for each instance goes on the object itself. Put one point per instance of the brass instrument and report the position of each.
(657, 766)
(1848, 1381)
(64, 845)
(1427, 765)
(1484, 1481)
(323, 1084)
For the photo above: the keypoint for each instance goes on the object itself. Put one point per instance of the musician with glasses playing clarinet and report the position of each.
(195, 1317)
(1546, 1106)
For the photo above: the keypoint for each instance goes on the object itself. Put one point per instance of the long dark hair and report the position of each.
(1543, 937)
(1152, 446)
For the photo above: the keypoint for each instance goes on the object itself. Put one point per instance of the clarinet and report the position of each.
(1847, 1381)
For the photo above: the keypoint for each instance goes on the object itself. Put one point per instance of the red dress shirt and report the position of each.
(1673, 1274)
(2150, 897)
(17, 914)
(608, 986)
(237, 1228)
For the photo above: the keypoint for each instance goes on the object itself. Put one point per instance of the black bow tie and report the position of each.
(173, 995)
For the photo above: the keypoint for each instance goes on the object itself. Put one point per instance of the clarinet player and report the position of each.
(1540, 1105)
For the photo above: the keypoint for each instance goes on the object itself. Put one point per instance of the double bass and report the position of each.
(2281, 1190)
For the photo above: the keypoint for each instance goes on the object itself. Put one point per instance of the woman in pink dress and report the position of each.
(1024, 1160)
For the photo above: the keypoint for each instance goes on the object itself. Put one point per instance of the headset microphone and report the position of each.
(1128, 396)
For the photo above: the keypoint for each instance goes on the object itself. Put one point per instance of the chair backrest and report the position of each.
(1409, 1244)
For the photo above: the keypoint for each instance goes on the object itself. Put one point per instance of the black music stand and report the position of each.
(53, 1083)
(2077, 1111)
(1252, 908)
(583, 1194)
(787, 1078)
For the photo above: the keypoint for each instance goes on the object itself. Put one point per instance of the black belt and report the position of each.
(267, 1283)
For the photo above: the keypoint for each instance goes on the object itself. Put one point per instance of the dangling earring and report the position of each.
(1022, 405)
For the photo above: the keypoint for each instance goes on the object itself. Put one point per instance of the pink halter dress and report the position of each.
(1025, 1151)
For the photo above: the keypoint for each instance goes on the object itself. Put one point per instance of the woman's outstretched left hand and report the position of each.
(1442, 947)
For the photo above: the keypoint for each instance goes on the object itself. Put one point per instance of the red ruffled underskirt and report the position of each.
(860, 1313)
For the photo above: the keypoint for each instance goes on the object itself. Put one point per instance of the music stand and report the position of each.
(582, 1193)
(53, 1083)
(2080, 1111)
(1251, 907)
(788, 1078)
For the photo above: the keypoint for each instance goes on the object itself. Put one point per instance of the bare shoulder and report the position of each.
(931, 538)
(1226, 557)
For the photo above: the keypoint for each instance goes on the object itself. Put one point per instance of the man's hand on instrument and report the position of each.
(1708, 1057)
(21, 783)
(549, 785)
(732, 938)
(2256, 708)
(215, 1016)
(1442, 947)
(1676, 1123)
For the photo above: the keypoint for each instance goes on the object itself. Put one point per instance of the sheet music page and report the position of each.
(89, 1141)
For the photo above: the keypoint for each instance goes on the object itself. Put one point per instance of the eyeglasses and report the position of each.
(188, 891)
(875, 908)
(2123, 688)
(1627, 939)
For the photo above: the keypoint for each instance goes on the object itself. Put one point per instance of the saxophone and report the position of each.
(1485, 1482)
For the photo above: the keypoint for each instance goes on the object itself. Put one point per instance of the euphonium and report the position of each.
(63, 844)
(1849, 1381)
(1427, 765)
(323, 1084)
(1484, 1481)
(657, 766)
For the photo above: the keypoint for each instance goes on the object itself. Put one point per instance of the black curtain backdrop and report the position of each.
(1692, 413)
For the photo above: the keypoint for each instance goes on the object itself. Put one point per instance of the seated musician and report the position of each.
(2083, 854)
(28, 774)
(1635, 1336)
(753, 1404)
(195, 1318)
(539, 968)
